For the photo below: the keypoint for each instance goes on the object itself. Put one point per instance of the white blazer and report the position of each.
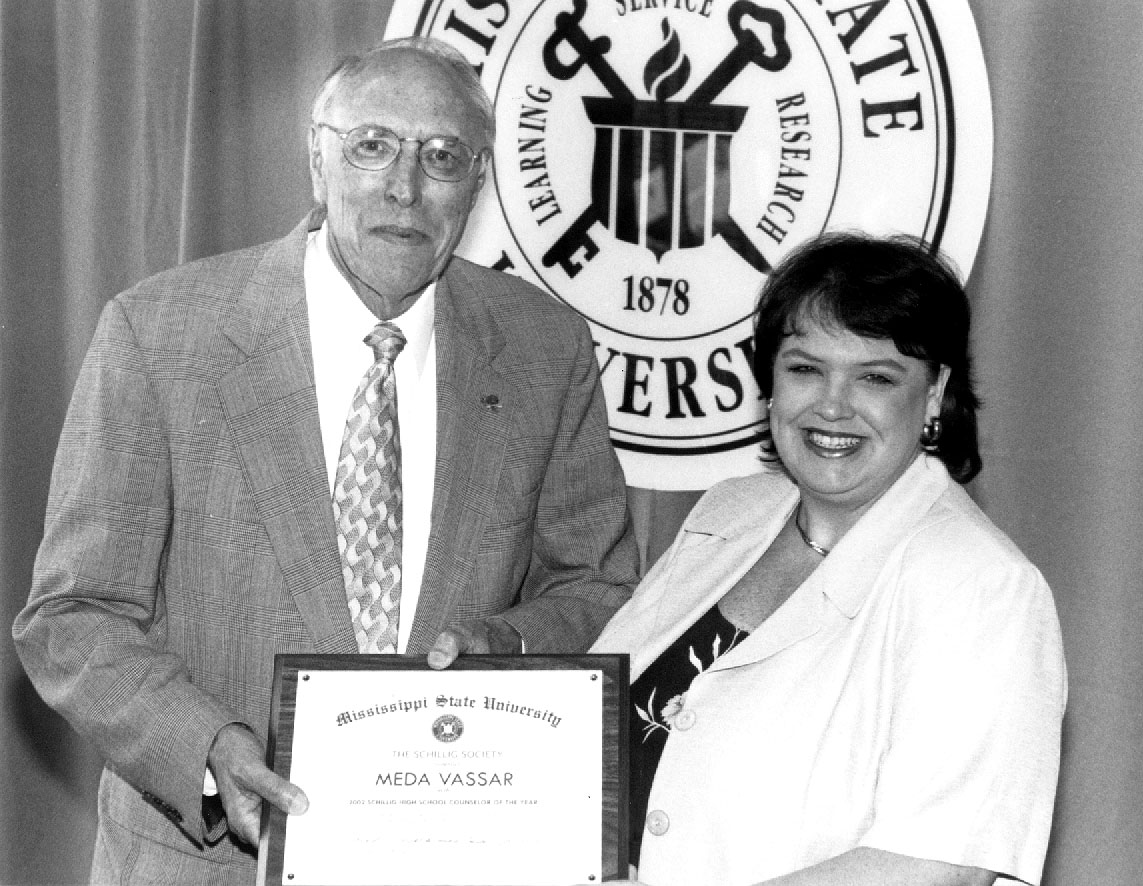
(907, 697)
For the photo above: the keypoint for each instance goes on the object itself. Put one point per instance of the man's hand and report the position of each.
(236, 759)
(493, 635)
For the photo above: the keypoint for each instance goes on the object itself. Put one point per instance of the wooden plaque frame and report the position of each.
(613, 747)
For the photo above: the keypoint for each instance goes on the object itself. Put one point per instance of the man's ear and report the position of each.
(317, 166)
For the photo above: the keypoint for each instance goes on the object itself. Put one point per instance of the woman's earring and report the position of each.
(931, 434)
(769, 404)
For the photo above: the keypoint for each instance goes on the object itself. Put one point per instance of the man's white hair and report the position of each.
(469, 80)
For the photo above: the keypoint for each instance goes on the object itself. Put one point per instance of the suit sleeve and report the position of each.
(584, 560)
(91, 636)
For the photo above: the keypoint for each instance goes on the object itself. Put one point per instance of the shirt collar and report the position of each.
(416, 323)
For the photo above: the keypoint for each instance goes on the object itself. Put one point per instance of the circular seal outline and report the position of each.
(448, 728)
(953, 219)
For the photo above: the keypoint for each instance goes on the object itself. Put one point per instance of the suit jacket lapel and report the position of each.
(271, 404)
(474, 409)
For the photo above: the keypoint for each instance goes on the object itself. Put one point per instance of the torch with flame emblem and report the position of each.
(661, 168)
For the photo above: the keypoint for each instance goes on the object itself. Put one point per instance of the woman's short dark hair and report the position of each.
(894, 288)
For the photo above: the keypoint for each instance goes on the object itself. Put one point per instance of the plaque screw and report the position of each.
(289, 876)
(595, 676)
(305, 676)
(591, 877)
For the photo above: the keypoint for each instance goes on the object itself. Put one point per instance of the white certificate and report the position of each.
(479, 776)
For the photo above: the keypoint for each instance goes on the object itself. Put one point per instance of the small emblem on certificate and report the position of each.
(500, 770)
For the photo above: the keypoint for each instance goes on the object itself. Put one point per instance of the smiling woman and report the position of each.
(845, 413)
(862, 350)
(847, 672)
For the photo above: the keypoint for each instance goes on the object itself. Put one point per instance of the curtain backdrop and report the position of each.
(137, 134)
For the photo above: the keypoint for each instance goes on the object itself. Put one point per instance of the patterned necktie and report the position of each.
(367, 499)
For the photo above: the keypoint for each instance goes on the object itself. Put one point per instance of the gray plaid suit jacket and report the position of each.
(189, 534)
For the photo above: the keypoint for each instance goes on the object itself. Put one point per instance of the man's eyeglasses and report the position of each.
(374, 148)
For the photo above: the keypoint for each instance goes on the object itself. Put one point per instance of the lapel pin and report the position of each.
(491, 402)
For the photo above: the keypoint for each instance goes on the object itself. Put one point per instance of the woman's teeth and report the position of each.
(833, 441)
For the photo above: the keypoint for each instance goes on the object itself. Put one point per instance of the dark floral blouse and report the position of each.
(658, 696)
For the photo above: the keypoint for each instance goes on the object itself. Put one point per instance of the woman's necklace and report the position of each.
(810, 543)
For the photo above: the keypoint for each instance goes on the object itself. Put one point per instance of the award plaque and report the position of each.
(500, 770)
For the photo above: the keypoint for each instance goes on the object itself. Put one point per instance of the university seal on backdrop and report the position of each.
(656, 158)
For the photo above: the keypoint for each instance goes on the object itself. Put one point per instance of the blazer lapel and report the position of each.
(798, 619)
(475, 405)
(271, 405)
(713, 566)
(698, 579)
(719, 554)
(726, 541)
(839, 586)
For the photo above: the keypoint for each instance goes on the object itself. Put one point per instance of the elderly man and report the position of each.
(212, 505)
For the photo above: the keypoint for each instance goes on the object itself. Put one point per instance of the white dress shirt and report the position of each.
(339, 322)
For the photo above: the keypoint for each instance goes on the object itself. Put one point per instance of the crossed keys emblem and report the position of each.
(682, 148)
